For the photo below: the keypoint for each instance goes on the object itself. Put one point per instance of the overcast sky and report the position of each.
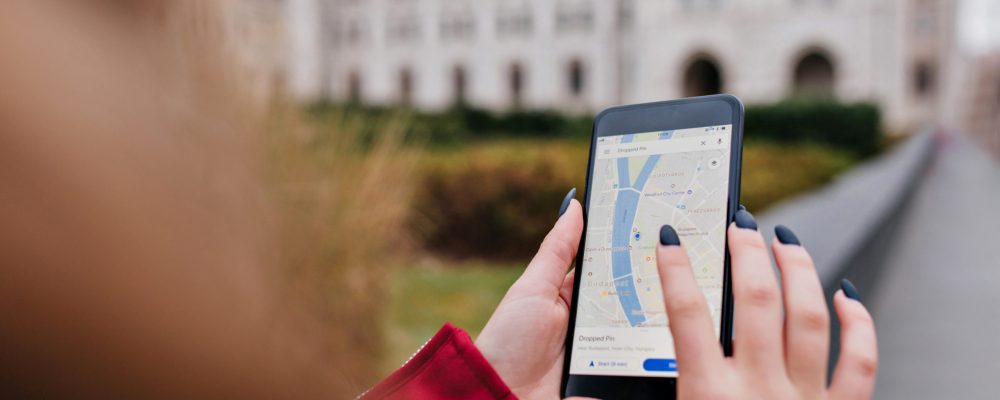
(979, 25)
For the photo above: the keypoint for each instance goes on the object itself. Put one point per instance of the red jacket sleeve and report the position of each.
(449, 366)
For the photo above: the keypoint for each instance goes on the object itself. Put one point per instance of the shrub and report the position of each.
(460, 124)
(496, 199)
(774, 172)
(479, 123)
(854, 127)
(535, 123)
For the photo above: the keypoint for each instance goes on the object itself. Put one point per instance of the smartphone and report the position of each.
(673, 162)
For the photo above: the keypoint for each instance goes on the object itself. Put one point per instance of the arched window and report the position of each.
(354, 87)
(405, 86)
(577, 78)
(923, 79)
(515, 78)
(814, 75)
(702, 77)
(459, 82)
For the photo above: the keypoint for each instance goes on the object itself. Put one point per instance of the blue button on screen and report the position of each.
(660, 364)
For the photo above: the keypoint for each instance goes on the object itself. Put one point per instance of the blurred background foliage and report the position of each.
(342, 185)
(488, 182)
(854, 127)
(486, 187)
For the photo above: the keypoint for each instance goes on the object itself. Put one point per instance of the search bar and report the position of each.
(680, 145)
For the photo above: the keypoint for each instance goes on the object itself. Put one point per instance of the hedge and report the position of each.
(497, 199)
(853, 127)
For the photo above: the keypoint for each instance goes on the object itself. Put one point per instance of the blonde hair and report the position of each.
(165, 235)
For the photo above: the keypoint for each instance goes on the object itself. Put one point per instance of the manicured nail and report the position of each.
(668, 236)
(566, 201)
(786, 236)
(743, 207)
(850, 291)
(745, 220)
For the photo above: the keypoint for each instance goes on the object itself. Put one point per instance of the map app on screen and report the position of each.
(641, 182)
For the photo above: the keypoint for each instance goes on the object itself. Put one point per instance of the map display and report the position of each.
(641, 182)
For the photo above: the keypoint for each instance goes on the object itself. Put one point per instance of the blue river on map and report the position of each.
(626, 204)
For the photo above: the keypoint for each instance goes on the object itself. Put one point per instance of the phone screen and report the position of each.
(639, 183)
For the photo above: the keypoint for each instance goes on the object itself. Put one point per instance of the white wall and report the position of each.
(756, 43)
(303, 52)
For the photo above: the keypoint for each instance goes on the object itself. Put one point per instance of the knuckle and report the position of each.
(865, 364)
(559, 248)
(749, 242)
(761, 294)
(686, 307)
(797, 258)
(810, 319)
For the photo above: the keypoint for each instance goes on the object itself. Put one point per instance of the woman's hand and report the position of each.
(779, 354)
(782, 352)
(524, 339)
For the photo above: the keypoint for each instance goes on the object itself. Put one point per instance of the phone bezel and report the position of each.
(692, 112)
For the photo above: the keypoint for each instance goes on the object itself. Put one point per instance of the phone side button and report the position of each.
(660, 364)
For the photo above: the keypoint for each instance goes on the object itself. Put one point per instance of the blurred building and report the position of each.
(584, 55)
(982, 111)
(260, 29)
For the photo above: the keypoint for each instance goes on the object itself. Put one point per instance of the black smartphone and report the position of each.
(673, 162)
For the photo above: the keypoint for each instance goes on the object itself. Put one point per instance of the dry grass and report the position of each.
(343, 202)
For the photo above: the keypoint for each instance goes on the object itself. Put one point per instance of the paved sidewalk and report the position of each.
(937, 301)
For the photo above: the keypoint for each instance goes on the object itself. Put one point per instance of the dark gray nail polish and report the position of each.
(668, 236)
(743, 207)
(786, 236)
(850, 291)
(566, 201)
(745, 220)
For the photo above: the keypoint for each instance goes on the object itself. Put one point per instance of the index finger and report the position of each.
(698, 351)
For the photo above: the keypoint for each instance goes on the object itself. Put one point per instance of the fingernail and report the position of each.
(668, 236)
(566, 201)
(743, 207)
(786, 236)
(745, 220)
(850, 291)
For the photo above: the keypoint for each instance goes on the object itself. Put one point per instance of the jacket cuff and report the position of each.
(449, 366)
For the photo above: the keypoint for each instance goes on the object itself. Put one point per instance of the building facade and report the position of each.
(585, 55)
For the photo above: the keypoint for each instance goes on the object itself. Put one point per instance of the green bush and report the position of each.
(460, 124)
(773, 172)
(497, 199)
(854, 127)
(489, 188)
(479, 123)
